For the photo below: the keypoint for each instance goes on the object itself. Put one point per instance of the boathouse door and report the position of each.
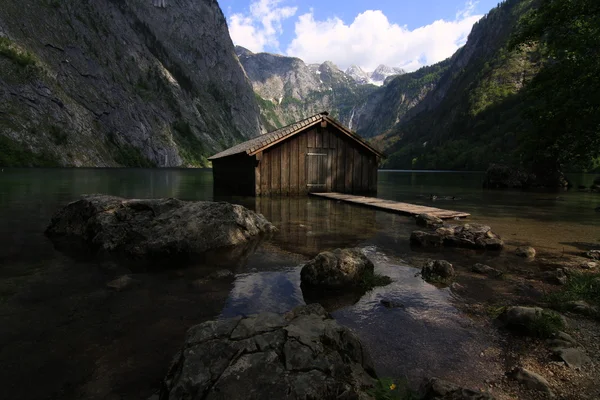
(317, 170)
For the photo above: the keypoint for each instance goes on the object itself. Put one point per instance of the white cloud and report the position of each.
(261, 27)
(371, 40)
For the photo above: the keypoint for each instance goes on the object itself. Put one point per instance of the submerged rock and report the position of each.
(122, 283)
(437, 270)
(486, 270)
(337, 269)
(531, 380)
(474, 236)
(156, 227)
(438, 389)
(525, 252)
(304, 354)
(428, 221)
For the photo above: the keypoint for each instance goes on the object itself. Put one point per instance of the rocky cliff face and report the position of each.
(112, 82)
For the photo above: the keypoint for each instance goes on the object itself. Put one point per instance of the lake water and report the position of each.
(64, 334)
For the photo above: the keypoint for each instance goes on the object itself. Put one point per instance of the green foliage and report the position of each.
(390, 389)
(15, 54)
(579, 287)
(529, 96)
(14, 154)
(565, 95)
(545, 325)
(191, 149)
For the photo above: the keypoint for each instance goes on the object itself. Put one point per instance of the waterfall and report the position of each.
(351, 118)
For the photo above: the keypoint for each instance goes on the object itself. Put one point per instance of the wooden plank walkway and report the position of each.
(393, 206)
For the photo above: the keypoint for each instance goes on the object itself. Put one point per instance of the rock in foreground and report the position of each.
(304, 354)
(473, 236)
(437, 271)
(337, 269)
(156, 227)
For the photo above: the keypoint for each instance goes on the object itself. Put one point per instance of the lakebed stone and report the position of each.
(337, 269)
(525, 252)
(156, 227)
(438, 270)
(474, 236)
(531, 380)
(303, 354)
(486, 270)
(438, 389)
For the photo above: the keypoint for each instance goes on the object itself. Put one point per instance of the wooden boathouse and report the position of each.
(317, 154)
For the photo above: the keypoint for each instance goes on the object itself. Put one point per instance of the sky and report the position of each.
(398, 33)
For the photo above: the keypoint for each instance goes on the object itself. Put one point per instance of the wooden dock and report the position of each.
(393, 206)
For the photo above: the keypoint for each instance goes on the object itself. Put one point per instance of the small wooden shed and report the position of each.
(317, 154)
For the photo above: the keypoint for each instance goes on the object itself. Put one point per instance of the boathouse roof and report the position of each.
(262, 142)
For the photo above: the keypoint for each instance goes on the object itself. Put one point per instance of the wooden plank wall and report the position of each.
(349, 167)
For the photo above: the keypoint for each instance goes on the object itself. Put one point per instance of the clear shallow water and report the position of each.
(59, 322)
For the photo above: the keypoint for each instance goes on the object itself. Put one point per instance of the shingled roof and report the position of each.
(261, 142)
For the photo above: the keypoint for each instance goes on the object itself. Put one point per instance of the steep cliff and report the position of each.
(115, 82)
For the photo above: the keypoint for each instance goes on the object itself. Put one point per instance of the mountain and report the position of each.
(383, 72)
(361, 77)
(287, 89)
(119, 83)
(523, 91)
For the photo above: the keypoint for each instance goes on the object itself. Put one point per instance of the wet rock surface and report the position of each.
(155, 227)
(337, 269)
(304, 354)
(428, 221)
(473, 236)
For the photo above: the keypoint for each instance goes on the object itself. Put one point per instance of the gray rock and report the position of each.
(438, 270)
(573, 357)
(122, 283)
(162, 227)
(304, 354)
(474, 236)
(593, 254)
(428, 221)
(562, 339)
(531, 380)
(337, 269)
(486, 270)
(525, 252)
(438, 389)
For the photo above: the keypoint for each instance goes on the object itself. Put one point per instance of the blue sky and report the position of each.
(404, 33)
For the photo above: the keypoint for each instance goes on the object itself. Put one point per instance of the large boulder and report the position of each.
(474, 236)
(502, 176)
(304, 354)
(156, 227)
(533, 321)
(337, 269)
